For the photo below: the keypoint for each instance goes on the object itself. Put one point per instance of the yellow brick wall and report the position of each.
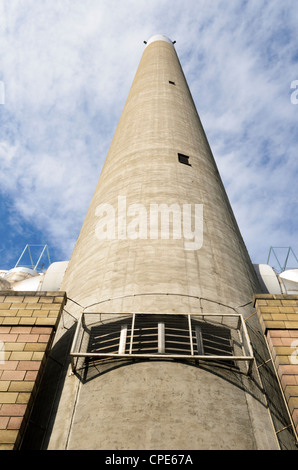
(27, 326)
(278, 315)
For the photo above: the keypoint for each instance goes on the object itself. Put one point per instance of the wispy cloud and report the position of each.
(67, 68)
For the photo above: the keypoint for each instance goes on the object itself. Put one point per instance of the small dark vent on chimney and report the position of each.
(183, 159)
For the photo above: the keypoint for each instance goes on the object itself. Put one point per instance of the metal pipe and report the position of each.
(190, 334)
(75, 338)
(132, 332)
(161, 338)
(122, 341)
(167, 356)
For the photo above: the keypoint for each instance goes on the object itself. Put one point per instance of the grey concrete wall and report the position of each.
(183, 407)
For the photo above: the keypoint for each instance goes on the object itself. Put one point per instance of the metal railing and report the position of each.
(190, 336)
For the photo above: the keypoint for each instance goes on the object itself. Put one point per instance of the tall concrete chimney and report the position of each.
(171, 271)
(160, 122)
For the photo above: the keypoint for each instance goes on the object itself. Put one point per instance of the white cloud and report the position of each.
(67, 67)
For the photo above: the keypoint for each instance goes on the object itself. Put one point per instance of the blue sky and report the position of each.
(66, 69)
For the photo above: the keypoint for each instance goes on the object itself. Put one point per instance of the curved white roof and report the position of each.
(290, 280)
(268, 279)
(159, 37)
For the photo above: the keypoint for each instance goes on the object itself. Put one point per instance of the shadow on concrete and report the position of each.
(42, 418)
(45, 407)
